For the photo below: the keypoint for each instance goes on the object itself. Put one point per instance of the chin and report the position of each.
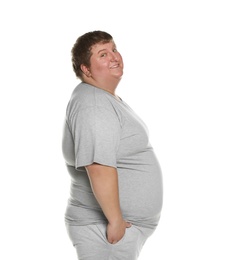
(119, 74)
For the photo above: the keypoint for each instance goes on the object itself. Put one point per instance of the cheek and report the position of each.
(121, 60)
(99, 67)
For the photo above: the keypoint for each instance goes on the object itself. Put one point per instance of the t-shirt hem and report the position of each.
(87, 163)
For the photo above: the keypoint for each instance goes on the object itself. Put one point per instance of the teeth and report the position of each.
(116, 66)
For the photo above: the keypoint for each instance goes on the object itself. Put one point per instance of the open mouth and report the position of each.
(114, 66)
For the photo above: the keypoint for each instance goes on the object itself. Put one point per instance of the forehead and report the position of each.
(102, 46)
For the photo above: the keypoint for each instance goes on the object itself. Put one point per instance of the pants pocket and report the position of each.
(103, 231)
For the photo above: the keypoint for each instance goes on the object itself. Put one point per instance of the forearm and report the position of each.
(104, 182)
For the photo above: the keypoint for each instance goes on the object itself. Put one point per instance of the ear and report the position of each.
(85, 70)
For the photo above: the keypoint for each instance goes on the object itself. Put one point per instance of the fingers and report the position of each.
(128, 224)
(116, 232)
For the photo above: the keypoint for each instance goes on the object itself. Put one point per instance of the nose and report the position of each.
(114, 56)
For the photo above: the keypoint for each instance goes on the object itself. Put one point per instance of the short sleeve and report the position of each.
(96, 133)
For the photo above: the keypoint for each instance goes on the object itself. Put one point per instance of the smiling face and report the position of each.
(106, 66)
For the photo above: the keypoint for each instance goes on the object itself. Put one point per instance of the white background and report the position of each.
(176, 68)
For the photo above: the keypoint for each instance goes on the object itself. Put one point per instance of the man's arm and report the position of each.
(104, 182)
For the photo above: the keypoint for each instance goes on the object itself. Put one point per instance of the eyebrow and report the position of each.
(114, 46)
(101, 50)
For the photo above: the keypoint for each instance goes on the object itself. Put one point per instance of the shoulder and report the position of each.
(83, 95)
(86, 96)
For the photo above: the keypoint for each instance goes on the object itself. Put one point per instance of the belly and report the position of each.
(141, 190)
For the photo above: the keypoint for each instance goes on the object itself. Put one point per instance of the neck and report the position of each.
(110, 87)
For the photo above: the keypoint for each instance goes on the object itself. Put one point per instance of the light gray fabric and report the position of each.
(100, 128)
(91, 243)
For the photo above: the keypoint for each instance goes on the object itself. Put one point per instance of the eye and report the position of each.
(104, 54)
(115, 50)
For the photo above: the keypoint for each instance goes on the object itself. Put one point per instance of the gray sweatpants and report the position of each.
(91, 242)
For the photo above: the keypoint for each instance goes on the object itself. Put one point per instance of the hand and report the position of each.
(116, 231)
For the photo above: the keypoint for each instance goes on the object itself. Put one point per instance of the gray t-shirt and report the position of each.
(99, 128)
